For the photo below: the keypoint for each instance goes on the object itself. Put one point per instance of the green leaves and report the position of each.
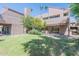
(33, 23)
(27, 22)
(43, 7)
(75, 9)
(35, 32)
(38, 23)
(47, 46)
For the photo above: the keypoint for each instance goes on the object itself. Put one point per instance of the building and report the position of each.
(74, 28)
(11, 22)
(57, 20)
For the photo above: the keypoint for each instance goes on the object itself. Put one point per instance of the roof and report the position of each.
(6, 18)
(6, 8)
(15, 11)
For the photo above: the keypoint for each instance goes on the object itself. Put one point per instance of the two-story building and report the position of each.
(11, 22)
(57, 20)
(74, 28)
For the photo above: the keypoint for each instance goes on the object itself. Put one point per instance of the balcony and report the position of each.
(56, 21)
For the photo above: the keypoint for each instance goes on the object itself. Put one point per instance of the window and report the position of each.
(55, 29)
(65, 14)
(45, 18)
(55, 16)
(51, 17)
(73, 28)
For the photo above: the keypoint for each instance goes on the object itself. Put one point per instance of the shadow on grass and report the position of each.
(48, 46)
(1, 39)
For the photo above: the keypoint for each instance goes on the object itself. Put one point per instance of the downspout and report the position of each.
(48, 16)
(69, 23)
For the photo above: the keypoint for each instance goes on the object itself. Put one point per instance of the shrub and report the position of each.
(47, 46)
(37, 47)
(34, 31)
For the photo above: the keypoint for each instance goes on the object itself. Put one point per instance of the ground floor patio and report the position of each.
(11, 29)
(59, 29)
(5, 29)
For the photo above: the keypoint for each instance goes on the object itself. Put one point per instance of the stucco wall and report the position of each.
(62, 29)
(17, 29)
(15, 20)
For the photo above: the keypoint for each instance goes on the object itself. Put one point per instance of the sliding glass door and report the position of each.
(6, 30)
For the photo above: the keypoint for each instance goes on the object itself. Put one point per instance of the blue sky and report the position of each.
(35, 6)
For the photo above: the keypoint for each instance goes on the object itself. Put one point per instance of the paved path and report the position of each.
(53, 36)
(57, 36)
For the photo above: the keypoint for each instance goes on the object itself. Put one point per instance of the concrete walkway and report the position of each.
(57, 36)
(54, 36)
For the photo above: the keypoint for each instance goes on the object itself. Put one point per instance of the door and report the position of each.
(6, 30)
(55, 29)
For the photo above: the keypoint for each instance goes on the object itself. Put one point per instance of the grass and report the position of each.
(12, 45)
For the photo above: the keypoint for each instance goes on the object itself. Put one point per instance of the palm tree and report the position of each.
(43, 8)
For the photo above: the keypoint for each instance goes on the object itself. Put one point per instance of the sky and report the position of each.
(34, 6)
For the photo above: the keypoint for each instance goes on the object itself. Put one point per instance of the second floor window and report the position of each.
(45, 18)
(54, 16)
(50, 17)
(65, 14)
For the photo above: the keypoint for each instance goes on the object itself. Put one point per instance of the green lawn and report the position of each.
(12, 45)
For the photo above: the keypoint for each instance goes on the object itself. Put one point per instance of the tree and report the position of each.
(75, 10)
(38, 24)
(27, 22)
(33, 23)
(43, 8)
